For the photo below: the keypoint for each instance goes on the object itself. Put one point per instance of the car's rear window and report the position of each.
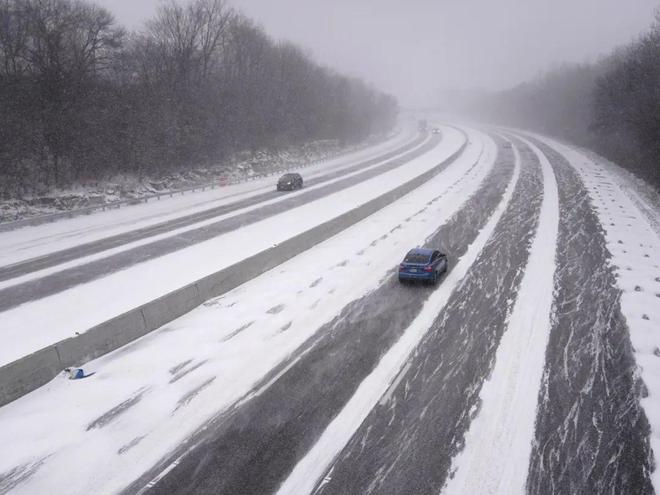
(289, 176)
(416, 258)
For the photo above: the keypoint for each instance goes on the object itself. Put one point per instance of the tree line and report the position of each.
(81, 98)
(611, 106)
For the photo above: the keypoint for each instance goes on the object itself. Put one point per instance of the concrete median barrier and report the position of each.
(169, 307)
(24, 375)
(103, 338)
(28, 373)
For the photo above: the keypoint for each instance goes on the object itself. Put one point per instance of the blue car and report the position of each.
(422, 264)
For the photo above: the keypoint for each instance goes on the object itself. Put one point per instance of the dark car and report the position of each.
(422, 264)
(289, 182)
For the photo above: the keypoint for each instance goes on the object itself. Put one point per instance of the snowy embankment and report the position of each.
(239, 167)
(37, 324)
(29, 242)
(495, 457)
(134, 411)
(633, 239)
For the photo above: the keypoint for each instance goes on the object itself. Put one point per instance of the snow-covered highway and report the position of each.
(32, 316)
(533, 366)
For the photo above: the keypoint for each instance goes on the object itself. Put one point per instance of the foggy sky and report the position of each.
(416, 48)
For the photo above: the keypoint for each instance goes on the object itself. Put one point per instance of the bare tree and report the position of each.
(82, 99)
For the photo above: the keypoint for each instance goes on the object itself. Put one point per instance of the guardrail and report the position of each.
(218, 183)
(31, 372)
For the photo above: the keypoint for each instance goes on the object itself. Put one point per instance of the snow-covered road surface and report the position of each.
(140, 243)
(29, 242)
(499, 440)
(22, 262)
(592, 433)
(409, 440)
(326, 376)
(386, 375)
(34, 325)
(233, 341)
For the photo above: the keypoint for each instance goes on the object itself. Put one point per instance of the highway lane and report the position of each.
(251, 449)
(408, 441)
(24, 267)
(592, 436)
(51, 284)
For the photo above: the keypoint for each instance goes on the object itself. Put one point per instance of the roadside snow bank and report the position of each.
(240, 166)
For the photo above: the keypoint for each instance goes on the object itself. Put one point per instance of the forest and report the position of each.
(82, 98)
(611, 106)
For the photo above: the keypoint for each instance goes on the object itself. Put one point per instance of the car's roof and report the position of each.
(291, 174)
(425, 251)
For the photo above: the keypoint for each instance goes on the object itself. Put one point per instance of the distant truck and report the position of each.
(422, 125)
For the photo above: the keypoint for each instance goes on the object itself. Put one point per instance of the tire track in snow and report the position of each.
(498, 443)
(280, 422)
(591, 435)
(406, 443)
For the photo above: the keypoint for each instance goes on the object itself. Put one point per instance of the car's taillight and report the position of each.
(402, 267)
(428, 268)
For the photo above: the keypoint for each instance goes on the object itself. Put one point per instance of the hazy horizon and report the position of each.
(419, 49)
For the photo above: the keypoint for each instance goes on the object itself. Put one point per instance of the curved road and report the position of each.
(590, 433)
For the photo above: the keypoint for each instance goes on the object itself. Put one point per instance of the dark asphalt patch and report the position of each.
(188, 397)
(187, 371)
(130, 445)
(175, 369)
(276, 309)
(285, 327)
(591, 433)
(255, 447)
(14, 477)
(116, 411)
(237, 331)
